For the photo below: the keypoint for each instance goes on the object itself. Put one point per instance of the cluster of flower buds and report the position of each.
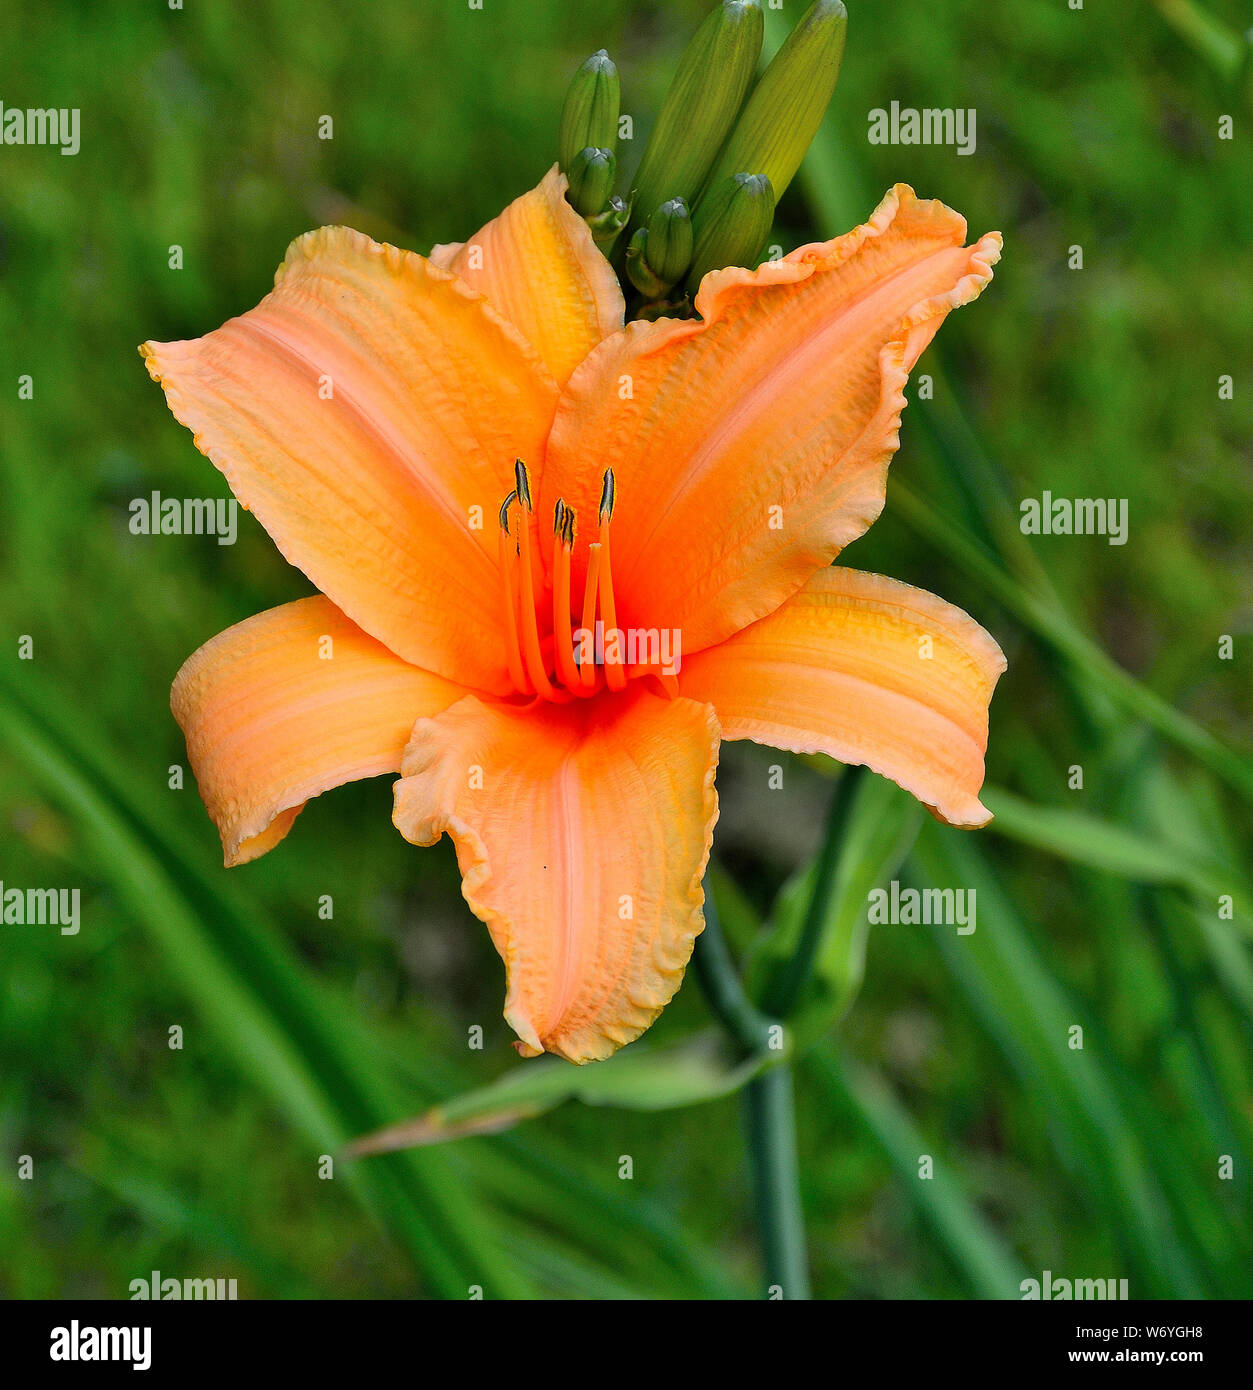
(587, 143)
(723, 149)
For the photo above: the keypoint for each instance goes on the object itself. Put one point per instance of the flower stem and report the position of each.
(724, 992)
(770, 1116)
(769, 1108)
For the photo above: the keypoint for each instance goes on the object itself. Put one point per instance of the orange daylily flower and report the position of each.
(691, 477)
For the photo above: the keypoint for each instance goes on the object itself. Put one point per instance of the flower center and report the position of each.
(570, 663)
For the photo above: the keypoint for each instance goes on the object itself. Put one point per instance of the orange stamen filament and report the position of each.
(509, 590)
(588, 673)
(615, 677)
(563, 638)
(531, 654)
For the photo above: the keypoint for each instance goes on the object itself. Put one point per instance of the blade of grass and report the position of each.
(1115, 849)
(698, 1069)
(988, 1267)
(1029, 1016)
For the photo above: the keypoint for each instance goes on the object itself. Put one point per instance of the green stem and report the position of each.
(771, 1120)
(724, 992)
(769, 1114)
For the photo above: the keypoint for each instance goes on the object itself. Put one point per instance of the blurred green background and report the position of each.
(1097, 907)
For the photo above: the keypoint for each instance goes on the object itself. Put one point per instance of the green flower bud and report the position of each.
(638, 270)
(730, 225)
(591, 176)
(669, 244)
(590, 115)
(659, 254)
(605, 226)
(786, 107)
(699, 109)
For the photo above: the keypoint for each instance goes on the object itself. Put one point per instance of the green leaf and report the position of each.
(640, 1077)
(1115, 849)
(880, 827)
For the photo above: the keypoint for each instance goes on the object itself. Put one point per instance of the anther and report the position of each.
(523, 483)
(563, 638)
(615, 677)
(607, 489)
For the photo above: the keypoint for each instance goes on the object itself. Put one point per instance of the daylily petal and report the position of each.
(751, 447)
(540, 268)
(868, 670)
(582, 832)
(369, 411)
(288, 704)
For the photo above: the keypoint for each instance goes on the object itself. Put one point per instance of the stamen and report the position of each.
(615, 677)
(608, 490)
(563, 638)
(587, 673)
(522, 481)
(508, 552)
(531, 654)
(524, 649)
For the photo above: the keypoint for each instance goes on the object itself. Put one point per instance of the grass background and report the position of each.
(1097, 128)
